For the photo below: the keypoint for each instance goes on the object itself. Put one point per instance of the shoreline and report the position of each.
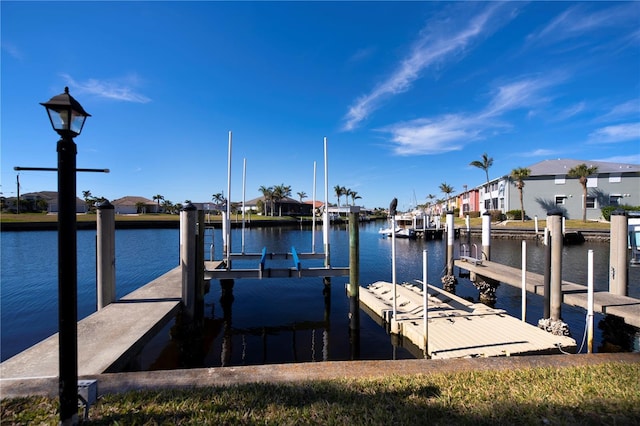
(590, 235)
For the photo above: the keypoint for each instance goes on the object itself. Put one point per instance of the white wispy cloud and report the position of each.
(623, 110)
(577, 20)
(570, 111)
(11, 49)
(522, 93)
(453, 131)
(439, 41)
(617, 133)
(432, 136)
(624, 159)
(362, 54)
(540, 153)
(120, 90)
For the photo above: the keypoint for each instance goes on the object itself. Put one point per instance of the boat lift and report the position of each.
(225, 270)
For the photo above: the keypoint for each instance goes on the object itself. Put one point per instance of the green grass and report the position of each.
(599, 394)
(459, 222)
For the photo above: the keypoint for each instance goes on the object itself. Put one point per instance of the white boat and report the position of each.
(400, 232)
(407, 224)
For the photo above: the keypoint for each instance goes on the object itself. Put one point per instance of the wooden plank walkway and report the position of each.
(108, 338)
(458, 328)
(572, 293)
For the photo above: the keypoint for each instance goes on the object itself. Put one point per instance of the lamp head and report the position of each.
(66, 114)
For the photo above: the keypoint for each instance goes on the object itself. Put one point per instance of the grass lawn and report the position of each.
(597, 394)
(459, 222)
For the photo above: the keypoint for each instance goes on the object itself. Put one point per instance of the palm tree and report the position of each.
(582, 172)
(302, 195)
(519, 175)
(219, 199)
(339, 190)
(447, 190)
(485, 164)
(354, 197)
(279, 192)
(430, 197)
(347, 194)
(158, 198)
(267, 193)
(87, 199)
(167, 206)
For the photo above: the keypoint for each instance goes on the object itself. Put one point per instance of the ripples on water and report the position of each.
(272, 320)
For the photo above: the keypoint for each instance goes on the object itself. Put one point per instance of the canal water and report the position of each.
(269, 320)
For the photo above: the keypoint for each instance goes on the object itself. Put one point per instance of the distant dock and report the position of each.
(572, 293)
(456, 327)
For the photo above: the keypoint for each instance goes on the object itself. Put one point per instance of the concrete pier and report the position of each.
(107, 339)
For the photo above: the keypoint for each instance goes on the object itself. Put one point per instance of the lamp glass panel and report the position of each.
(77, 121)
(59, 118)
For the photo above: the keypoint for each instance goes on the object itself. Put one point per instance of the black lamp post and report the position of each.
(67, 118)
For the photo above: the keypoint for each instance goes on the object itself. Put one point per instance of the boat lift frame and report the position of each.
(224, 270)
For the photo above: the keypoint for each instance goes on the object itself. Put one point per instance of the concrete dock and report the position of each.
(572, 293)
(458, 328)
(109, 338)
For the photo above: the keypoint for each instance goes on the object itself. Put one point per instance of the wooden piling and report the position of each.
(105, 255)
(554, 221)
(354, 285)
(450, 239)
(547, 275)
(618, 254)
(354, 255)
(188, 258)
(486, 236)
(199, 278)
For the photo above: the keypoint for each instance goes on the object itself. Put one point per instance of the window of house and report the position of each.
(560, 179)
(615, 178)
(591, 202)
(560, 199)
(487, 204)
(592, 182)
(614, 199)
(502, 204)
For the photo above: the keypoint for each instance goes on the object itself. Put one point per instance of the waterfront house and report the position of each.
(35, 199)
(285, 206)
(549, 187)
(134, 205)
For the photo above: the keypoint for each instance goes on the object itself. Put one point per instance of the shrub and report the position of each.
(514, 215)
(496, 215)
(474, 214)
(607, 210)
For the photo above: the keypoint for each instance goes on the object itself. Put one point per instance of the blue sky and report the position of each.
(407, 94)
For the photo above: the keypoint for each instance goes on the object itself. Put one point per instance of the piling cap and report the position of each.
(104, 205)
(189, 207)
(619, 212)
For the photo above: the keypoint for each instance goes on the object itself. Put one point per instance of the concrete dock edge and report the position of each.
(113, 383)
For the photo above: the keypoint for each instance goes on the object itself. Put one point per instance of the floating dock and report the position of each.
(572, 293)
(457, 328)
